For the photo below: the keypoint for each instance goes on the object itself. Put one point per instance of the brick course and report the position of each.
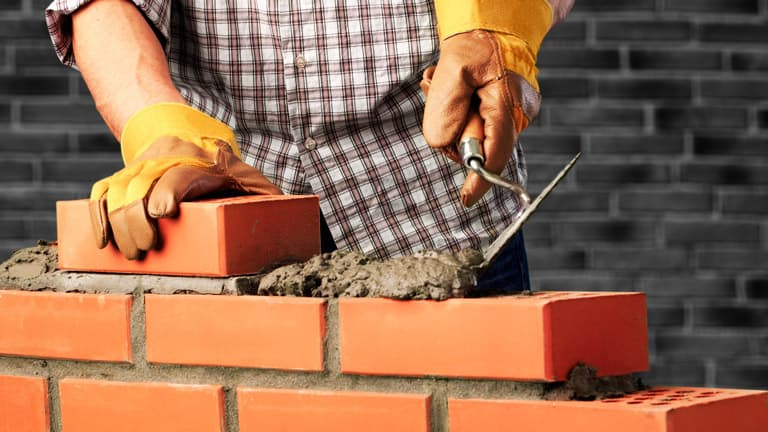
(649, 157)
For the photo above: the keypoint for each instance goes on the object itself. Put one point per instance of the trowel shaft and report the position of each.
(473, 158)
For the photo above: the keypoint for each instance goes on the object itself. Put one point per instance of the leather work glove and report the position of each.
(487, 63)
(172, 153)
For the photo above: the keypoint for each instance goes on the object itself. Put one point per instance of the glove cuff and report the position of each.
(171, 119)
(529, 20)
(518, 58)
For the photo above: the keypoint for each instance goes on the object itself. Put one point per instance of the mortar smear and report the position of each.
(584, 384)
(28, 264)
(424, 275)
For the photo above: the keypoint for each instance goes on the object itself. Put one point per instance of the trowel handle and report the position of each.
(475, 127)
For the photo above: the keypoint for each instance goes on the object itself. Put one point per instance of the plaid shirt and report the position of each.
(324, 99)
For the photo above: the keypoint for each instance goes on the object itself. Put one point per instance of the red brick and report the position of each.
(67, 326)
(97, 406)
(266, 410)
(259, 332)
(23, 404)
(539, 337)
(218, 237)
(671, 409)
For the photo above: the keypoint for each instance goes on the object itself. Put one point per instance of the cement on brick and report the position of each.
(426, 275)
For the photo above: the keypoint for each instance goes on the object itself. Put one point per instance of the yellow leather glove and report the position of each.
(488, 53)
(172, 153)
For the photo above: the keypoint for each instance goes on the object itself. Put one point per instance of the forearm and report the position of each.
(121, 61)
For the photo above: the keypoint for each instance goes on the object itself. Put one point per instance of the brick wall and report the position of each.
(150, 362)
(667, 100)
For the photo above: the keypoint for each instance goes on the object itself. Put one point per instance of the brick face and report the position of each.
(738, 89)
(602, 144)
(262, 410)
(749, 61)
(677, 89)
(714, 6)
(710, 118)
(643, 59)
(69, 326)
(90, 406)
(734, 33)
(643, 31)
(24, 404)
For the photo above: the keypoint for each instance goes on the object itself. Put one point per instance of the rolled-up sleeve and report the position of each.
(58, 17)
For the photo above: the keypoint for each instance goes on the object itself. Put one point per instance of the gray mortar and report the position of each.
(426, 275)
(35, 269)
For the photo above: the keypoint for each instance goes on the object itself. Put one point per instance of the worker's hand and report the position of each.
(488, 63)
(172, 153)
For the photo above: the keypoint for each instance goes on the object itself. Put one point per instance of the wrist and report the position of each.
(172, 119)
(528, 20)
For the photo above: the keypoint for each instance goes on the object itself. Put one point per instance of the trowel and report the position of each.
(471, 154)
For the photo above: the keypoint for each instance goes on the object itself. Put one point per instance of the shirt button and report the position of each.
(310, 144)
(300, 61)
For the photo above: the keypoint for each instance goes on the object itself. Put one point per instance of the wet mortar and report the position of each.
(428, 275)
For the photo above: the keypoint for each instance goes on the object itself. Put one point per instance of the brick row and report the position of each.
(455, 338)
(90, 405)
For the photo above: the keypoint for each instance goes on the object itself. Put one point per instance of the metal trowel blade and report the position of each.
(492, 251)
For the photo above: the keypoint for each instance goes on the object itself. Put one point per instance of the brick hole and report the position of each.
(634, 402)
(660, 403)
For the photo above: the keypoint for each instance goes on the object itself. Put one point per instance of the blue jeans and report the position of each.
(507, 274)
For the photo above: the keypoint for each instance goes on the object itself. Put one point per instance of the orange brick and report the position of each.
(67, 326)
(539, 337)
(97, 406)
(669, 409)
(218, 237)
(244, 331)
(266, 410)
(23, 404)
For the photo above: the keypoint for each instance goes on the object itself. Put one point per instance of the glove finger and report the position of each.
(97, 209)
(448, 100)
(182, 183)
(250, 180)
(122, 234)
(140, 226)
(132, 231)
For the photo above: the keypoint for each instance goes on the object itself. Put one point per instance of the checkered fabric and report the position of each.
(324, 98)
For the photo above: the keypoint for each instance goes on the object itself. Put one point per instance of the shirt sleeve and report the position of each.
(58, 17)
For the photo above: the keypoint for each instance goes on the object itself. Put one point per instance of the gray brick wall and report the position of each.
(666, 99)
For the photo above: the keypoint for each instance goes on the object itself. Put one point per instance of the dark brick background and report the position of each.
(666, 99)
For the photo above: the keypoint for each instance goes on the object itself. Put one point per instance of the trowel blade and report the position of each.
(492, 251)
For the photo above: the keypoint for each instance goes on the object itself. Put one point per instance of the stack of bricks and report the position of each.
(82, 362)
(664, 98)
